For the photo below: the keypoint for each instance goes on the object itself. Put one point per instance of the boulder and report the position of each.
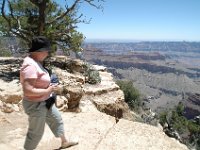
(128, 135)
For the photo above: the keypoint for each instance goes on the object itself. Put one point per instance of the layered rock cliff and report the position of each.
(96, 114)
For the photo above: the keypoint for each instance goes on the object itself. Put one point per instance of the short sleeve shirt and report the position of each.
(30, 69)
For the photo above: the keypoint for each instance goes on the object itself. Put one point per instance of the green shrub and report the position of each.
(178, 122)
(180, 109)
(92, 76)
(194, 128)
(5, 53)
(163, 118)
(131, 94)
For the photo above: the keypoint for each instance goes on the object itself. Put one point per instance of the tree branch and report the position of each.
(68, 10)
(36, 2)
(77, 20)
(19, 35)
(92, 4)
(18, 32)
(4, 15)
(11, 13)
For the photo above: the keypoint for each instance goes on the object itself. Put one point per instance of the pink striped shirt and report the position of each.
(30, 69)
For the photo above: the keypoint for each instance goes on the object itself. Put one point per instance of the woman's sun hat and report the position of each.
(40, 44)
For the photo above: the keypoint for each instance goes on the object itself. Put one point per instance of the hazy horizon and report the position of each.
(133, 40)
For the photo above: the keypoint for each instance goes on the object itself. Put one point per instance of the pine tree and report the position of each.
(27, 18)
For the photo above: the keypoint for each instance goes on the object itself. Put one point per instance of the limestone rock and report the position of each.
(69, 78)
(66, 63)
(128, 135)
(107, 97)
(100, 68)
(107, 84)
(95, 131)
(74, 95)
(8, 108)
(11, 92)
(61, 100)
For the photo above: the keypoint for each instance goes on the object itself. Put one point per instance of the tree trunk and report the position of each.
(42, 8)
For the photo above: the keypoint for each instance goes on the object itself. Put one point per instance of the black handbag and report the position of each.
(50, 101)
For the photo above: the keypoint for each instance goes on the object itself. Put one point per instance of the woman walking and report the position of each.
(35, 81)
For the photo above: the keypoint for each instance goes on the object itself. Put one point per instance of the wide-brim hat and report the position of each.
(40, 44)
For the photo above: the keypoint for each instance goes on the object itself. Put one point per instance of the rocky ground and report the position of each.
(101, 120)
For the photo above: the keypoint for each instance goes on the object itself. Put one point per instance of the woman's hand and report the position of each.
(56, 88)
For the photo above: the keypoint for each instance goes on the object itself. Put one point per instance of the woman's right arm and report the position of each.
(30, 90)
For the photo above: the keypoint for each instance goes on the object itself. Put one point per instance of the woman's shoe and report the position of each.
(69, 144)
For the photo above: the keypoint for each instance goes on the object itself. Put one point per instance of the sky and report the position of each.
(154, 20)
